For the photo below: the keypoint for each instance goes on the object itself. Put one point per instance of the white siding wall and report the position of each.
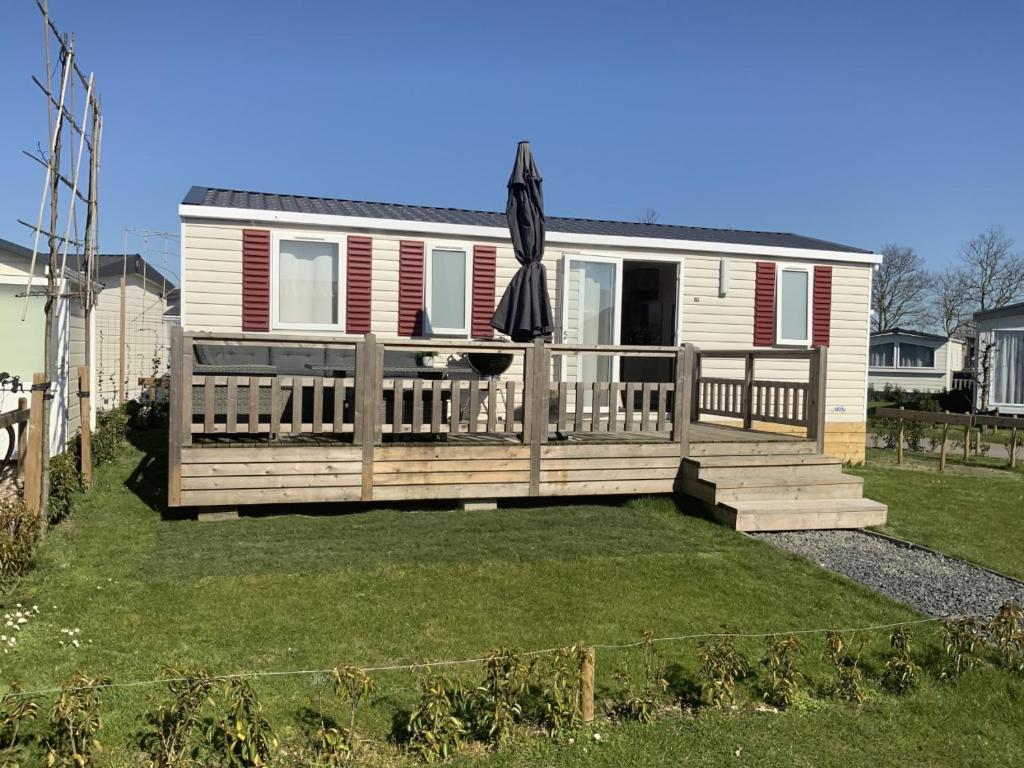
(212, 287)
(146, 349)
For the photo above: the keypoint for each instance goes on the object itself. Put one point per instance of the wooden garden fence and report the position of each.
(966, 421)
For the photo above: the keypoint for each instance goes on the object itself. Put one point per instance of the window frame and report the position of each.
(275, 279)
(992, 333)
(899, 357)
(429, 329)
(896, 358)
(809, 271)
(895, 350)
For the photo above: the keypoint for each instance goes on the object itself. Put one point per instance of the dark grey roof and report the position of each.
(230, 198)
(1009, 309)
(908, 332)
(112, 266)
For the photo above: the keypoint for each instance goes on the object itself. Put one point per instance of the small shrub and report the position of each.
(110, 437)
(845, 659)
(16, 710)
(497, 701)
(1006, 629)
(641, 702)
(240, 736)
(75, 716)
(721, 665)
(560, 692)
(780, 659)
(961, 637)
(174, 738)
(337, 746)
(65, 483)
(900, 673)
(436, 727)
(19, 530)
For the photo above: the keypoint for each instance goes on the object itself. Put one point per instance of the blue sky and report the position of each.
(865, 122)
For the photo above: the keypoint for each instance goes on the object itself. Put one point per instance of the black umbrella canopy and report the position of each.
(524, 312)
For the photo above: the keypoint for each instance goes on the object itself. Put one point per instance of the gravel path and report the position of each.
(934, 584)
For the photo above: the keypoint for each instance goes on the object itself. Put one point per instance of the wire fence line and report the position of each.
(427, 665)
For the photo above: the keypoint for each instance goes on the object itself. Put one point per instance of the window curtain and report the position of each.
(882, 355)
(793, 297)
(308, 282)
(916, 356)
(1008, 368)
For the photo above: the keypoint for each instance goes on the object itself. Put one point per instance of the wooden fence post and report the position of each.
(967, 442)
(1013, 446)
(85, 418)
(942, 450)
(586, 683)
(369, 382)
(818, 390)
(36, 443)
(899, 441)
(22, 438)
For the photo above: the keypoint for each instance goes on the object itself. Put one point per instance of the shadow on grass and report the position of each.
(148, 480)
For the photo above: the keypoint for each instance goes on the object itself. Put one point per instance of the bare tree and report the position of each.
(950, 301)
(649, 216)
(994, 274)
(899, 288)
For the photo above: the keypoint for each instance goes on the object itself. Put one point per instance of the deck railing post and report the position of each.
(682, 403)
(539, 377)
(369, 383)
(815, 405)
(748, 390)
(695, 385)
(178, 424)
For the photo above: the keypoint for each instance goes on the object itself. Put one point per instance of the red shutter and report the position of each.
(764, 304)
(255, 279)
(358, 284)
(410, 288)
(821, 322)
(484, 267)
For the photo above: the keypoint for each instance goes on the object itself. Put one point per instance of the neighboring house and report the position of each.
(913, 360)
(22, 351)
(281, 264)
(140, 327)
(1000, 338)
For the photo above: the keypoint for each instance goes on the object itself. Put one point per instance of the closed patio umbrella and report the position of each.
(524, 312)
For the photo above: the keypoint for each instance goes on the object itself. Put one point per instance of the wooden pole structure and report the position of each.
(1013, 447)
(587, 683)
(22, 439)
(34, 454)
(967, 442)
(84, 409)
(942, 450)
(899, 441)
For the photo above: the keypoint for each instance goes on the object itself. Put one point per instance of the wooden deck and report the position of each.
(240, 439)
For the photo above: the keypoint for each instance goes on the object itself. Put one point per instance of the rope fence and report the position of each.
(409, 666)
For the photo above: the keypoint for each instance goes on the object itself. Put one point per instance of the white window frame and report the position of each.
(896, 358)
(429, 329)
(992, 337)
(779, 269)
(275, 253)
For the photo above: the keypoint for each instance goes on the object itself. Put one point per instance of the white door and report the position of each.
(591, 290)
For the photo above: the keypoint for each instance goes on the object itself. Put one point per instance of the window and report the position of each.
(916, 355)
(307, 284)
(1008, 368)
(794, 306)
(447, 294)
(883, 355)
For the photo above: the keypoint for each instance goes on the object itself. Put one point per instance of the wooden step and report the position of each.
(808, 514)
(746, 448)
(710, 462)
(839, 487)
(770, 475)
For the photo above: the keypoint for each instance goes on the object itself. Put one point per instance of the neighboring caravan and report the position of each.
(132, 317)
(913, 360)
(301, 317)
(22, 351)
(1000, 349)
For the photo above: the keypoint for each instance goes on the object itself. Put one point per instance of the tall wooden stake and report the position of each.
(942, 451)
(587, 683)
(34, 453)
(84, 409)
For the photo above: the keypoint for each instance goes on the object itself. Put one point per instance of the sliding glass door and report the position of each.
(590, 307)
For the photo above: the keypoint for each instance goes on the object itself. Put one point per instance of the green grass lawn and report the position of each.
(298, 592)
(974, 512)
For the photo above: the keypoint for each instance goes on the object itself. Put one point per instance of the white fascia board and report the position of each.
(553, 237)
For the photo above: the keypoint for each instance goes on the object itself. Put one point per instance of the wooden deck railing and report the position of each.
(358, 394)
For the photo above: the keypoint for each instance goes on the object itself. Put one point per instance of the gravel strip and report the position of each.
(935, 584)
